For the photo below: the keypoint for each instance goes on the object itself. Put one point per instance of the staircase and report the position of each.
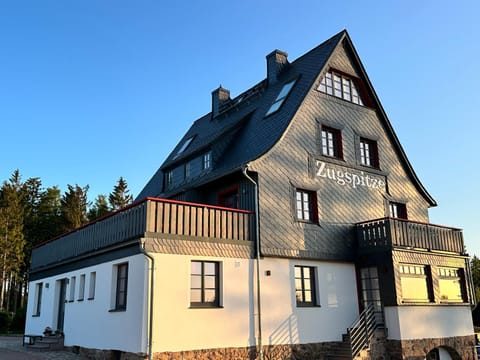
(360, 333)
(47, 343)
(341, 352)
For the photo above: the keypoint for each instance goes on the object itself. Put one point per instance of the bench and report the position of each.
(30, 339)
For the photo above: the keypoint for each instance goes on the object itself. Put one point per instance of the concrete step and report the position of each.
(49, 340)
(48, 343)
(39, 347)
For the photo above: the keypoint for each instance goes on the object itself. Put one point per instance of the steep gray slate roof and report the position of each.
(255, 134)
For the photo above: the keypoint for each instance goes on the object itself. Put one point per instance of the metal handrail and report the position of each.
(362, 330)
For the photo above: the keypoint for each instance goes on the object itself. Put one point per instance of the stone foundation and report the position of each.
(95, 354)
(459, 348)
(277, 352)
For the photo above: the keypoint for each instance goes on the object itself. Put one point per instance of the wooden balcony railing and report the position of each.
(389, 232)
(147, 218)
(188, 219)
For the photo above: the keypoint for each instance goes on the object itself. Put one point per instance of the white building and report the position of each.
(284, 219)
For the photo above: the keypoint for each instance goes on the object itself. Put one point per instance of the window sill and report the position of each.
(90, 298)
(118, 310)
(205, 307)
(307, 306)
(36, 315)
(370, 167)
(453, 302)
(331, 157)
(79, 299)
(71, 301)
(418, 302)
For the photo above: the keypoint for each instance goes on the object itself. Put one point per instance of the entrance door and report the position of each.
(61, 303)
(370, 287)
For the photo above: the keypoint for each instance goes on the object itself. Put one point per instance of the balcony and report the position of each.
(148, 218)
(381, 234)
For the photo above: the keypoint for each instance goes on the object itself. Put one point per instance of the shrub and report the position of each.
(18, 321)
(5, 321)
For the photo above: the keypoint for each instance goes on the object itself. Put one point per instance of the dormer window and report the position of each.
(184, 146)
(207, 160)
(281, 97)
(169, 178)
(340, 86)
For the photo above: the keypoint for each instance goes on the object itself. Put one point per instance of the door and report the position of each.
(370, 287)
(61, 303)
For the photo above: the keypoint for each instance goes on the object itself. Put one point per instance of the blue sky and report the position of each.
(94, 90)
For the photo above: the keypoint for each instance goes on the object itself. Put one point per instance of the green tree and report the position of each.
(12, 240)
(99, 209)
(74, 204)
(475, 267)
(120, 196)
(49, 218)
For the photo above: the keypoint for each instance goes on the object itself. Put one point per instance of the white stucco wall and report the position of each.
(178, 327)
(418, 322)
(89, 323)
(284, 322)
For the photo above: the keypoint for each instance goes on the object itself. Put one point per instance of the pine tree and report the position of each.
(49, 224)
(74, 204)
(12, 241)
(120, 196)
(475, 267)
(99, 209)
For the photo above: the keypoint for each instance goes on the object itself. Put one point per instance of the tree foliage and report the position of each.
(73, 207)
(31, 214)
(475, 267)
(99, 208)
(120, 196)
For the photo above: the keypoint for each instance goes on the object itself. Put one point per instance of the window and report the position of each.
(184, 146)
(340, 86)
(38, 299)
(81, 288)
(188, 169)
(398, 210)
(122, 285)
(73, 281)
(204, 284)
(207, 160)
(306, 208)
(370, 286)
(452, 285)
(281, 97)
(305, 286)
(229, 198)
(169, 178)
(91, 285)
(331, 142)
(368, 153)
(415, 281)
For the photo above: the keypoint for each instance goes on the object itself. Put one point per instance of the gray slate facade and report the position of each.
(282, 151)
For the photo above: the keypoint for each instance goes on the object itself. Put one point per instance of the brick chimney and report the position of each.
(276, 62)
(219, 97)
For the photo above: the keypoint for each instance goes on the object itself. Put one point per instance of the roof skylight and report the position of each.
(184, 146)
(281, 97)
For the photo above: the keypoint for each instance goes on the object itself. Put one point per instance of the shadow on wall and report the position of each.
(285, 333)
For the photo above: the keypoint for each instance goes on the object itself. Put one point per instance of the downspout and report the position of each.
(150, 308)
(257, 248)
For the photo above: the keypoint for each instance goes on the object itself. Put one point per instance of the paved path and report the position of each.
(11, 349)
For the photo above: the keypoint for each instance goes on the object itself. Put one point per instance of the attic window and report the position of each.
(340, 86)
(281, 97)
(184, 146)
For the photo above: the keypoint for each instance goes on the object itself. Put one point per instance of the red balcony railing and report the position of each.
(148, 217)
